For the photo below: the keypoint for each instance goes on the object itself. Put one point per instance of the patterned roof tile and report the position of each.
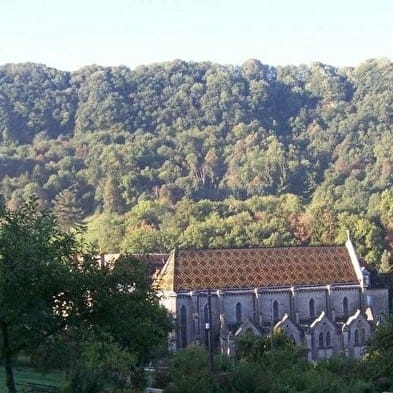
(257, 267)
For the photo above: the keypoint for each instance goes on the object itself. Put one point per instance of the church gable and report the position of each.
(291, 329)
(325, 338)
(359, 328)
(324, 331)
(166, 277)
(357, 318)
(248, 327)
(257, 267)
(323, 322)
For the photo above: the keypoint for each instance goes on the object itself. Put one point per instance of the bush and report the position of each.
(190, 372)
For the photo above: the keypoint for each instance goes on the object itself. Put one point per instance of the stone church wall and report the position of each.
(246, 300)
(266, 304)
(184, 303)
(337, 297)
(378, 299)
(326, 340)
(189, 310)
(302, 302)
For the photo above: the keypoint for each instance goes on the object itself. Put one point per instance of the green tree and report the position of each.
(102, 362)
(113, 201)
(126, 307)
(48, 298)
(365, 234)
(66, 210)
(122, 328)
(107, 231)
(143, 241)
(190, 372)
(380, 352)
(385, 266)
(36, 285)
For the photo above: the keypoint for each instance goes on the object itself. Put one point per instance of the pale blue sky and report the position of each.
(69, 34)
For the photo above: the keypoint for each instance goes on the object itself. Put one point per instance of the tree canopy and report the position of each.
(54, 293)
(176, 131)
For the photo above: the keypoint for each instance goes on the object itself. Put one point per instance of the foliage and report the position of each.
(276, 350)
(380, 352)
(136, 144)
(63, 308)
(37, 286)
(261, 368)
(124, 306)
(106, 231)
(66, 210)
(190, 372)
(103, 363)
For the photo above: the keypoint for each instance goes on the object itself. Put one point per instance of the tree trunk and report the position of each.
(9, 375)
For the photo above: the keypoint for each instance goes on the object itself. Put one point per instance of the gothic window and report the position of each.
(328, 339)
(320, 340)
(356, 337)
(183, 326)
(312, 308)
(275, 311)
(206, 313)
(345, 307)
(238, 312)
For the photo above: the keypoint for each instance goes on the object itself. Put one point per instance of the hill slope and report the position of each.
(250, 138)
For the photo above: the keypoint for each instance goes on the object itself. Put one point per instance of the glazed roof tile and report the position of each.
(256, 268)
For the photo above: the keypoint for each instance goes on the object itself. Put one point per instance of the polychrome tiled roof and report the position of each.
(256, 268)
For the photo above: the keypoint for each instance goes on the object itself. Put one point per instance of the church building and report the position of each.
(319, 295)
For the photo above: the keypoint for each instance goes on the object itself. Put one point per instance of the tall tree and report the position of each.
(48, 295)
(66, 209)
(123, 329)
(380, 351)
(113, 201)
(35, 281)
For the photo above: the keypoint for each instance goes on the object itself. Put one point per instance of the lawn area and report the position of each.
(27, 374)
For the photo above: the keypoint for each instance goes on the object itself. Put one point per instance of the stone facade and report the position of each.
(324, 301)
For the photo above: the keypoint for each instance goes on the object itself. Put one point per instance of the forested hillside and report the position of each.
(205, 155)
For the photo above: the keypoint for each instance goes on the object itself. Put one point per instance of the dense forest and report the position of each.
(205, 155)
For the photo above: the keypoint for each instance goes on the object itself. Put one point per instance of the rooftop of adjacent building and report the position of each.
(154, 262)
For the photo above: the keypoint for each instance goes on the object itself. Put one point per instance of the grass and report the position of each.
(27, 374)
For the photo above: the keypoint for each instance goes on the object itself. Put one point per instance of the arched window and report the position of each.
(345, 306)
(206, 314)
(356, 337)
(312, 308)
(275, 311)
(320, 340)
(183, 326)
(238, 312)
(328, 344)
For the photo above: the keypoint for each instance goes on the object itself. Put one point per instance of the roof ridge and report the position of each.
(261, 247)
